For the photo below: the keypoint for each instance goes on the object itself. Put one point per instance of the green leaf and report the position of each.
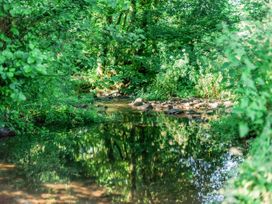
(15, 31)
(6, 7)
(30, 60)
(10, 74)
(27, 69)
(8, 54)
(243, 129)
(2, 59)
(2, 124)
(21, 97)
(41, 69)
(31, 46)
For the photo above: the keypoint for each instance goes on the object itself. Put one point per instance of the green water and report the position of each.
(139, 157)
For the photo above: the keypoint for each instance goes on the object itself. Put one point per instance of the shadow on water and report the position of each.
(138, 157)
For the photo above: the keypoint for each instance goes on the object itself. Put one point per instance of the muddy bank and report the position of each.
(14, 188)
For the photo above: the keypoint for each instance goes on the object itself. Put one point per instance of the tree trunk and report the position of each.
(104, 47)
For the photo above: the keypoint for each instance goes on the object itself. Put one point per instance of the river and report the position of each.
(131, 157)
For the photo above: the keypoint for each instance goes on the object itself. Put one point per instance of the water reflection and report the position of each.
(138, 157)
(151, 158)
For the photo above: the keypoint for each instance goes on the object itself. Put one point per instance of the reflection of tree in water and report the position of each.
(140, 156)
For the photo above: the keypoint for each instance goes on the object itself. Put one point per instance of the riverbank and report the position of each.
(193, 105)
(184, 105)
(15, 188)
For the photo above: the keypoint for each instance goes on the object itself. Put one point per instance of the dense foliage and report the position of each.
(56, 56)
(249, 57)
(37, 56)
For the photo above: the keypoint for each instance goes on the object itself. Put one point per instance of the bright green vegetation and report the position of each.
(57, 56)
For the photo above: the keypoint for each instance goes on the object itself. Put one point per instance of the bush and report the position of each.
(254, 183)
(249, 60)
(172, 80)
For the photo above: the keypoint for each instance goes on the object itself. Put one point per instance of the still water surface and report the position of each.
(152, 158)
(135, 157)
